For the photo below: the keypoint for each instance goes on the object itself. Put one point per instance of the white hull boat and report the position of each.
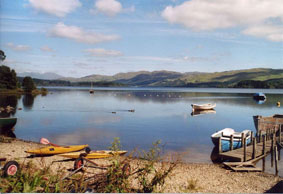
(208, 106)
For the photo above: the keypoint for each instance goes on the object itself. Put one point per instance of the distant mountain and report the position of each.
(257, 77)
(45, 76)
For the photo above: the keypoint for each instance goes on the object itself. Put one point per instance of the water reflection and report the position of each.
(28, 100)
(8, 133)
(8, 105)
(202, 112)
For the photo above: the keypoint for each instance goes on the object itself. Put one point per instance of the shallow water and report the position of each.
(74, 116)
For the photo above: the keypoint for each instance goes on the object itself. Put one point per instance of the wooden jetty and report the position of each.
(244, 158)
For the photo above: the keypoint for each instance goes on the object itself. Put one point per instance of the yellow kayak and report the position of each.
(94, 154)
(50, 150)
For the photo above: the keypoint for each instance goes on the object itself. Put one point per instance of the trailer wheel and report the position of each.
(78, 163)
(11, 168)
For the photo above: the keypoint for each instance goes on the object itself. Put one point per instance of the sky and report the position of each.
(76, 38)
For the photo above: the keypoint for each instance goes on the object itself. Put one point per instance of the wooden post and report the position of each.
(252, 134)
(280, 130)
(260, 134)
(263, 164)
(254, 148)
(263, 146)
(272, 144)
(231, 141)
(267, 134)
(245, 149)
(219, 145)
(242, 139)
(276, 160)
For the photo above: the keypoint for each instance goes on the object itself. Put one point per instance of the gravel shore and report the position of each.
(207, 178)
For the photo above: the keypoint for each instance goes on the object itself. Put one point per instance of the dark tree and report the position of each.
(8, 78)
(28, 84)
(2, 55)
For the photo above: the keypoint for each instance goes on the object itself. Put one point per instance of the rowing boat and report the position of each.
(50, 150)
(208, 106)
(94, 154)
(7, 123)
(224, 136)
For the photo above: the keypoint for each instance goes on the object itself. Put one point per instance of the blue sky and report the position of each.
(78, 38)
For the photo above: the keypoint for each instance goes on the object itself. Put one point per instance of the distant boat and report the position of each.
(203, 106)
(7, 123)
(269, 122)
(202, 112)
(259, 96)
(225, 135)
(91, 90)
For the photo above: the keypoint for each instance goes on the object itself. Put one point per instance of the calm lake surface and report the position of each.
(74, 116)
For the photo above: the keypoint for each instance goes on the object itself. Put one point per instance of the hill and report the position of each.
(258, 77)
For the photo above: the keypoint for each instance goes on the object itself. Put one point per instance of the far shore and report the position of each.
(20, 91)
(209, 178)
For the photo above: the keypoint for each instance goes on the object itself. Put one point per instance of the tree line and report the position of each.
(9, 80)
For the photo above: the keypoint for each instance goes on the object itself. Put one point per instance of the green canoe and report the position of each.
(7, 123)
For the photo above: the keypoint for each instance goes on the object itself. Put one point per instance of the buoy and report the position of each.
(278, 104)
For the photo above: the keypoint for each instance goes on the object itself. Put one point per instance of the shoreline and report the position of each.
(208, 178)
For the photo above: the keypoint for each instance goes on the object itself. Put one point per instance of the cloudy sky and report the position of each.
(82, 37)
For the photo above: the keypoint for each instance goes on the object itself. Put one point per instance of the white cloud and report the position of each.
(46, 49)
(220, 14)
(108, 7)
(270, 32)
(79, 35)
(100, 52)
(18, 47)
(54, 7)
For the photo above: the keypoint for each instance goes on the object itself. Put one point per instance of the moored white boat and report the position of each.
(208, 106)
(225, 134)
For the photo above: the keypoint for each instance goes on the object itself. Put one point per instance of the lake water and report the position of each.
(74, 116)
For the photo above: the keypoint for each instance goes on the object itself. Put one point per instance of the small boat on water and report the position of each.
(208, 106)
(91, 91)
(225, 134)
(50, 150)
(94, 154)
(259, 96)
(7, 123)
(270, 122)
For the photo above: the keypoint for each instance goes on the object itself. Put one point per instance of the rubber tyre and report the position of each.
(78, 163)
(11, 168)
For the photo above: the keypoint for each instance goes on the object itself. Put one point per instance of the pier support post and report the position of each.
(280, 130)
(254, 148)
(231, 141)
(252, 135)
(260, 135)
(245, 149)
(220, 145)
(276, 160)
(242, 139)
(263, 145)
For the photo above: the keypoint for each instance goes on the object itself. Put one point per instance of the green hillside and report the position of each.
(267, 78)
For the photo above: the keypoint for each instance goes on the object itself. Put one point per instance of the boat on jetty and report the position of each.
(51, 150)
(94, 154)
(7, 123)
(208, 106)
(224, 136)
(259, 96)
(270, 122)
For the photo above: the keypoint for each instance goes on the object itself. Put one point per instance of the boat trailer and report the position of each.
(10, 168)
